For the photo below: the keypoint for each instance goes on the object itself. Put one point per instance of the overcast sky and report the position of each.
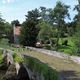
(17, 9)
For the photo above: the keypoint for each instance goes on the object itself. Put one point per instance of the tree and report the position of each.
(44, 13)
(77, 17)
(77, 33)
(77, 42)
(71, 28)
(1, 27)
(6, 30)
(15, 22)
(58, 15)
(30, 29)
(9, 32)
(46, 31)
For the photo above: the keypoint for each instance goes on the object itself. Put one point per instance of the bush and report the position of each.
(47, 46)
(65, 43)
(17, 58)
(76, 39)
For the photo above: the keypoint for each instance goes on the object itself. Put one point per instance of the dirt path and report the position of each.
(67, 69)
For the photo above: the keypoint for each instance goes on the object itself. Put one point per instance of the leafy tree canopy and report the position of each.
(30, 29)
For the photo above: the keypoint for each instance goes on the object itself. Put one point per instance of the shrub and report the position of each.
(65, 43)
(47, 46)
(17, 58)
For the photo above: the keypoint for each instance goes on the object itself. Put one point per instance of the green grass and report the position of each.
(17, 58)
(43, 69)
(69, 49)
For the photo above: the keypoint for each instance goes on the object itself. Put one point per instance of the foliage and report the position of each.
(44, 14)
(1, 27)
(9, 32)
(65, 43)
(77, 42)
(6, 30)
(71, 28)
(77, 33)
(15, 22)
(46, 31)
(69, 49)
(30, 29)
(47, 25)
(4, 41)
(58, 15)
(77, 16)
(17, 58)
(47, 46)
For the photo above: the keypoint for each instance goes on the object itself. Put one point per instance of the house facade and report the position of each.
(16, 33)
